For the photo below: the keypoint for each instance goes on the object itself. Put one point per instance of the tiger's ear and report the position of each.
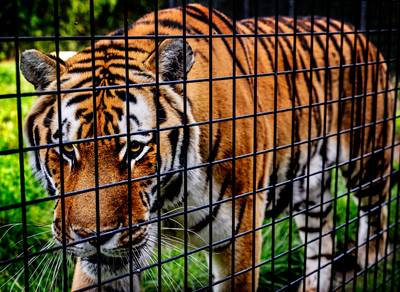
(170, 59)
(40, 69)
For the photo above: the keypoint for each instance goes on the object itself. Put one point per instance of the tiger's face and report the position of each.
(91, 170)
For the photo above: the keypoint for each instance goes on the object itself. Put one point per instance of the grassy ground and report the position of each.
(46, 271)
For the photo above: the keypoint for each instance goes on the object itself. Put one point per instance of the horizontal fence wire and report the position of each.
(292, 135)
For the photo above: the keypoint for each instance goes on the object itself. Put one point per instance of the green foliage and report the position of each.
(38, 216)
(36, 18)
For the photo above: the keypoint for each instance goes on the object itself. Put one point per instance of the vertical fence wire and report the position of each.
(157, 97)
(95, 143)
(275, 143)
(365, 23)
(311, 92)
(396, 202)
(353, 63)
(375, 79)
(185, 161)
(324, 184)
(393, 136)
(233, 120)
(254, 158)
(293, 93)
(381, 148)
(60, 141)
(342, 62)
(21, 153)
(210, 143)
(128, 143)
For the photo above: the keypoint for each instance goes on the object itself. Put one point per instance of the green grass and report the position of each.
(45, 271)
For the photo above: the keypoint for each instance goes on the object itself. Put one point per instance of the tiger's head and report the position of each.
(91, 170)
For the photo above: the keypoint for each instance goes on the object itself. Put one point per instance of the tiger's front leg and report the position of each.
(243, 253)
(314, 219)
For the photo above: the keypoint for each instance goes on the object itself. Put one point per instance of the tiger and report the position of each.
(141, 128)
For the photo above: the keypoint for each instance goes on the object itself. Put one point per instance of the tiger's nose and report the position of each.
(95, 240)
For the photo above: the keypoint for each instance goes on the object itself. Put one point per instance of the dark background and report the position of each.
(36, 17)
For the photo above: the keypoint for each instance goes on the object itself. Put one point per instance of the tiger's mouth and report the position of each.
(116, 262)
(110, 266)
(111, 258)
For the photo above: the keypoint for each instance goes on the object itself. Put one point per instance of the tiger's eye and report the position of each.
(136, 147)
(69, 149)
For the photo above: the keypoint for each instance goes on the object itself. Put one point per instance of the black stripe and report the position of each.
(143, 198)
(109, 119)
(310, 229)
(50, 188)
(89, 60)
(118, 46)
(122, 96)
(79, 113)
(333, 40)
(119, 111)
(357, 118)
(47, 121)
(30, 122)
(321, 45)
(173, 189)
(162, 114)
(79, 132)
(230, 26)
(288, 81)
(222, 247)
(328, 78)
(250, 26)
(241, 213)
(345, 35)
(217, 144)
(134, 119)
(134, 67)
(89, 132)
(307, 49)
(316, 212)
(169, 23)
(79, 98)
(173, 136)
(210, 217)
(82, 82)
(37, 161)
(184, 146)
(83, 69)
(324, 255)
(55, 58)
(49, 117)
(200, 16)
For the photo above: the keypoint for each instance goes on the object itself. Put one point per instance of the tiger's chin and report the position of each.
(116, 269)
(111, 266)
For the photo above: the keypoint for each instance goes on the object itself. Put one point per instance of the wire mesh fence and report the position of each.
(216, 145)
